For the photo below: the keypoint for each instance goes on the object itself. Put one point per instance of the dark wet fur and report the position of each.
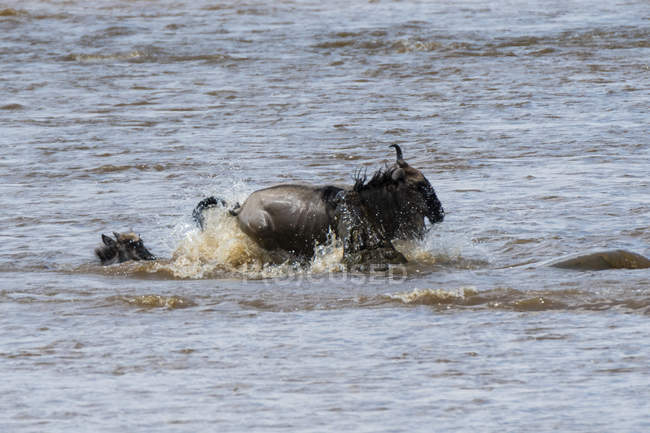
(209, 203)
(125, 247)
(380, 179)
(106, 254)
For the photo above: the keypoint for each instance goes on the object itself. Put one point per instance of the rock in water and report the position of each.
(617, 259)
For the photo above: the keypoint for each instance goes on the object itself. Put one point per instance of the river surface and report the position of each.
(531, 120)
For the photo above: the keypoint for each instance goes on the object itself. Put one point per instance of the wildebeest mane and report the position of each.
(380, 178)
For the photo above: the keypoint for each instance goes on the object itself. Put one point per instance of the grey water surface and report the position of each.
(531, 120)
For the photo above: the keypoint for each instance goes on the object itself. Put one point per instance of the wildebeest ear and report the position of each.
(107, 240)
(398, 174)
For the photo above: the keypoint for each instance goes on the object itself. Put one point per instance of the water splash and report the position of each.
(154, 301)
(222, 249)
(441, 247)
(434, 296)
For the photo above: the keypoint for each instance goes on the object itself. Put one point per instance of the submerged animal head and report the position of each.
(401, 197)
(125, 247)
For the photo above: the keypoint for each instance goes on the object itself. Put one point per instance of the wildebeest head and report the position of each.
(422, 195)
(401, 197)
(125, 246)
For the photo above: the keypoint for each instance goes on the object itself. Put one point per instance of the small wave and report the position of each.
(435, 296)
(101, 57)
(110, 168)
(525, 301)
(10, 12)
(153, 301)
(409, 45)
(608, 38)
(413, 45)
(335, 44)
(542, 52)
(522, 41)
(537, 303)
(12, 107)
(149, 54)
(524, 45)
(348, 157)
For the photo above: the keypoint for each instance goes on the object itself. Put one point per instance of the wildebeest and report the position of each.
(366, 216)
(125, 247)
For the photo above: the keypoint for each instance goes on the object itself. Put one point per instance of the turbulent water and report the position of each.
(529, 118)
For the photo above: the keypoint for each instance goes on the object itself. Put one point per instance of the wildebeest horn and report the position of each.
(399, 152)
